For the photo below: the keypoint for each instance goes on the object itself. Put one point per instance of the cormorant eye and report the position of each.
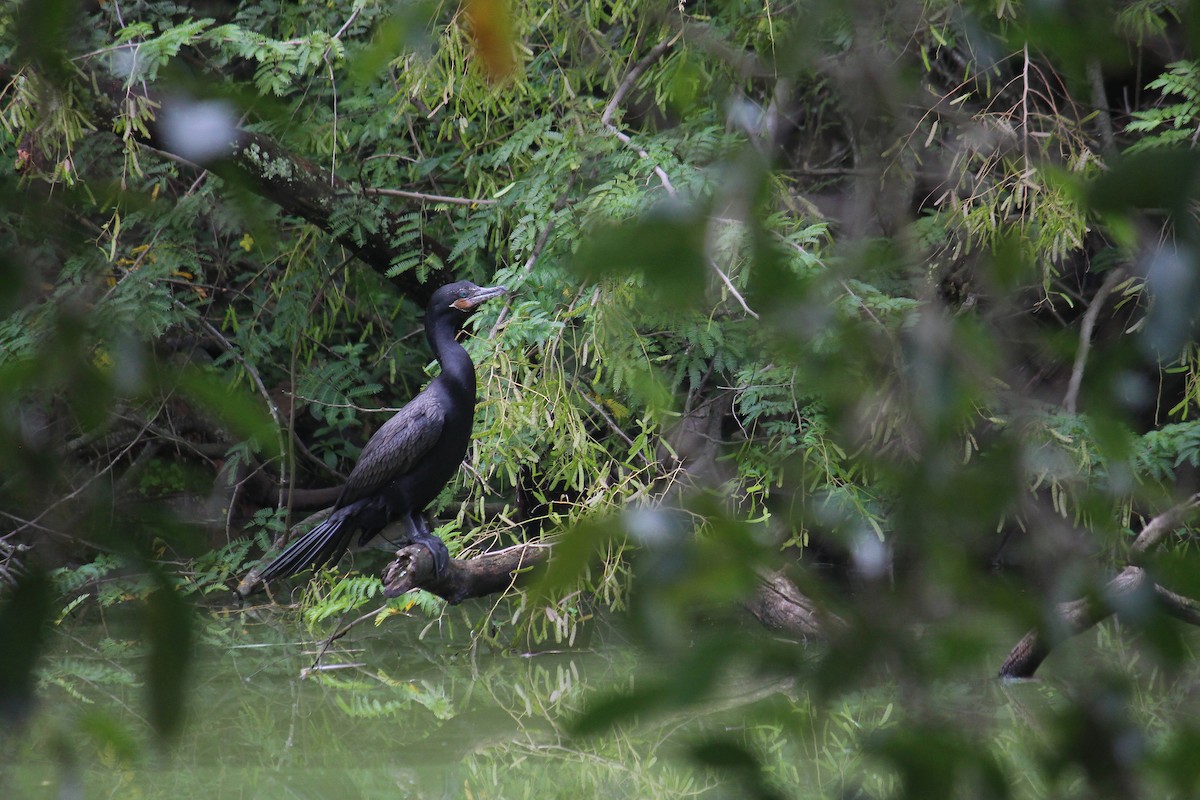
(463, 293)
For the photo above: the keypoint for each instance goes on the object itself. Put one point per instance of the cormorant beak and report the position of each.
(478, 297)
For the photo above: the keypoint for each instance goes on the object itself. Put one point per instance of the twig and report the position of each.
(659, 171)
(634, 73)
(431, 198)
(348, 23)
(623, 89)
(612, 423)
(536, 251)
(1085, 337)
(732, 289)
(339, 633)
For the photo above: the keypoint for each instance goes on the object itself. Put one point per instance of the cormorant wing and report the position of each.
(397, 447)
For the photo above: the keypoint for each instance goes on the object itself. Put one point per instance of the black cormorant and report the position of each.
(407, 462)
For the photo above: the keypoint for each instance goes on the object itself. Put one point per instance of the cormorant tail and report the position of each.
(322, 545)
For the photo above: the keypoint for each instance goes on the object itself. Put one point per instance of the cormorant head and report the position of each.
(463, 296)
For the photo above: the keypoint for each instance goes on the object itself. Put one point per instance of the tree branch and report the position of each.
(1085, 337)
(479, 576)
(780, 605)
(1076, 616)
(623, 89)
(274, 172)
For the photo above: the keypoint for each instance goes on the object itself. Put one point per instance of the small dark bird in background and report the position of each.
(407, 462)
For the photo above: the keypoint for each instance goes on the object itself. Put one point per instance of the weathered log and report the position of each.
(478, 576)
(780, 605)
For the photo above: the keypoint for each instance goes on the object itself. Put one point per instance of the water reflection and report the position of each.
(408, 709)
(386, 712)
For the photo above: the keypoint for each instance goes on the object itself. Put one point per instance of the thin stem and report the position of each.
(1071, 401)
(430, 198)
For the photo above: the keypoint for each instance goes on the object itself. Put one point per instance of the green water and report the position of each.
(411, 708)
(415, 708)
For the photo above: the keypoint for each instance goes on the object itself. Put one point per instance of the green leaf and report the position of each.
(236, 408)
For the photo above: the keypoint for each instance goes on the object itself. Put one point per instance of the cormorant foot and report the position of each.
(437, 549)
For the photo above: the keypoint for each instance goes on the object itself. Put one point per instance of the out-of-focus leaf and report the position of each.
(1160, 178)
(1177, 759)
(939, 762)
(24, 615)
(664, 247)
(403, 30)
(1076, 32)
(236, 408)
(689, 684)
(572, 554)
(109, 734)
(168, 622)
(603, 714)
(42, 30)
(727, 755)
(491, 28)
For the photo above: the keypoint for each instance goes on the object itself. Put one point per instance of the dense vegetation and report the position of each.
(884, 309)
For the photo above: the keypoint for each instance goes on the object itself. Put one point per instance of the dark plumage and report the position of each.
(407, 462)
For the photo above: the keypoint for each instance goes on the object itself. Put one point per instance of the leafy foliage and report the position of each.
(792, 291)
(1173, 124)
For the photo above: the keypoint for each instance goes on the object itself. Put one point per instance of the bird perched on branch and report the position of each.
(407, 462)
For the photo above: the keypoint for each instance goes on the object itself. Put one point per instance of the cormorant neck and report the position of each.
(457, 368)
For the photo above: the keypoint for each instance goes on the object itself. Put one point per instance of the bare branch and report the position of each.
(626, 84)
(430, 198)
(1157, 528)
(1075, 617)
(732, 289)
(631, 78)
(1085, 337)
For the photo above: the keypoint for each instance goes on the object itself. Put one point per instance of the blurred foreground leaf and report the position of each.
(23, 618)
(168, 621)
(664, 247)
